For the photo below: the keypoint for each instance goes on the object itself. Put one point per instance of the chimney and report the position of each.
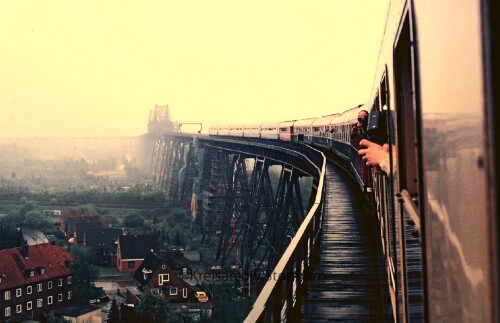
(24, 250)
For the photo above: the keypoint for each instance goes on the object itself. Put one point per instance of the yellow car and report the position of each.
(202, 297)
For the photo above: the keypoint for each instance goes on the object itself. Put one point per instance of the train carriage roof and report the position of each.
(287, 123)
(325, 120)
(273, 124)
(348, 116)
(251, 125)
(305, 122)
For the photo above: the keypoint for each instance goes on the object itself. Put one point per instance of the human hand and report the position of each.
(373, 154)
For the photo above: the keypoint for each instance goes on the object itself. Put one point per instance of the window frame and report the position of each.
(162, 280)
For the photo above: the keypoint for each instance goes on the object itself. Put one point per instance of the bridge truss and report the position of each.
(249, 201)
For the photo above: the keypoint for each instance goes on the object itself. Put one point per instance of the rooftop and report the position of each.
(29, 264)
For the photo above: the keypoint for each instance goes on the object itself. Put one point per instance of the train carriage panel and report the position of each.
(213, 131)
(457, 194)
(303, 130)
(251, 130)
(322, 136)
(286, 130)
(269, 130)
(236, 130)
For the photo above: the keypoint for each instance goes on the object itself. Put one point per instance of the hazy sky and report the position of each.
(96, 68)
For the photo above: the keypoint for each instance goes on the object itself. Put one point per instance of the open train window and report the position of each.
(406, 109)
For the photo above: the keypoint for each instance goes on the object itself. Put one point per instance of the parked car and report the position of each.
(202, 297)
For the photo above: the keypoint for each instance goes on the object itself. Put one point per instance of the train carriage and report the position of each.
(269, 130)
(321, 131)
(236, 130)
(251, 130)
(433, 91)
(303, 130)
(213, 130)
(286, 130)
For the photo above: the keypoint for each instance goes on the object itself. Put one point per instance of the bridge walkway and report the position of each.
(345, 284)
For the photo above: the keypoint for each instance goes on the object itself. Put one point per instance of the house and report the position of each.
(88, 221)
(83, 225)
(68, 214)
(81, 313)
(102, 244)
(34, 279)
(155, 274)
(132, 249)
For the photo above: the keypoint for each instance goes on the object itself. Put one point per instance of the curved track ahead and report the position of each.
(347, 284)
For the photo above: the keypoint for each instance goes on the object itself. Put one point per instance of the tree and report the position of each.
(177, 239)
(153, 307)
(88, 207)
(133, 220)
(114, 313)
(35, 220)
(84, 276)
(27, 206)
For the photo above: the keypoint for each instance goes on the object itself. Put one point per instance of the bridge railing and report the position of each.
(279, 294)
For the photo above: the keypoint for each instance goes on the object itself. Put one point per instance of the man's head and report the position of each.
(363, 118)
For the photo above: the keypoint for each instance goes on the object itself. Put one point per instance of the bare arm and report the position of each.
(375, 155)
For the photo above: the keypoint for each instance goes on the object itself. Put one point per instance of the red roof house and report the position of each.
(34, 279)
(132, 249)
(65, 215)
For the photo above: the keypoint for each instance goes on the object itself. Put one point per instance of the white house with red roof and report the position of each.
(34, 279)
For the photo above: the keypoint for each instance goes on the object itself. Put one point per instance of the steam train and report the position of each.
(434, 102)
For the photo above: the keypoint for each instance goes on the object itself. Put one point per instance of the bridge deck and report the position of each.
(346, 284)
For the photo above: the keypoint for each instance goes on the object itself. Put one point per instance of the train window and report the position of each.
(384, 93)
(406, 108)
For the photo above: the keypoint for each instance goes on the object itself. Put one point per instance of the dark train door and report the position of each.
(491, 37)
(408, 175)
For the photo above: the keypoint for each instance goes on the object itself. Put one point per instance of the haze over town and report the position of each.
(96, 68)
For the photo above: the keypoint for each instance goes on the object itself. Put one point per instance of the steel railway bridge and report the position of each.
(282, 209)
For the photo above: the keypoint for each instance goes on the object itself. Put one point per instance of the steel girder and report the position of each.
(174, 166)
(251, 223)
(215, 182)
